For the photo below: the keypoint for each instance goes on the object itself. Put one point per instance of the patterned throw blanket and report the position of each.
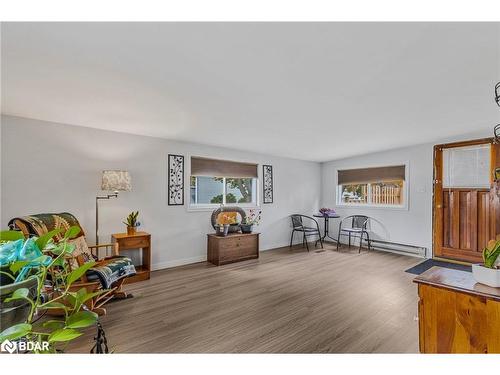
(111, 270)
(108, 271)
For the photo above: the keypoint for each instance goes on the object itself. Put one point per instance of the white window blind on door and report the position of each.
(467, 167)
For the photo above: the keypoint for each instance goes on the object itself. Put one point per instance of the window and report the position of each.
(381, 186)
(215, 182)
(467, 167)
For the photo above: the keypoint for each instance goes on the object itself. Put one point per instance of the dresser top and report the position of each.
(461, 281)
(233, 235)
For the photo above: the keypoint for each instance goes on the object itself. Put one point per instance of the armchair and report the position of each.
(110, 269)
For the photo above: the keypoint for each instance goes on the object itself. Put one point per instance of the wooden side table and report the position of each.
(139, 241)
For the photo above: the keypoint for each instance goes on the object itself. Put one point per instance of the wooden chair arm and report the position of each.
(113, 246)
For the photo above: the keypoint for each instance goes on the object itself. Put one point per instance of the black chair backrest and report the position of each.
(297, 221)
(359, 221)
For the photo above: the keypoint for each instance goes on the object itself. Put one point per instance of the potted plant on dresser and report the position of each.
(488, 273)
(132, 223)
(252, 218)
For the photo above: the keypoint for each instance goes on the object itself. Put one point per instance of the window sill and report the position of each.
(374, 206)
(208, 208)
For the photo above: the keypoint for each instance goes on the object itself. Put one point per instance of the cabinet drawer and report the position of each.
(237, 253)
(229, 243)
(133, 242)
(237, 248)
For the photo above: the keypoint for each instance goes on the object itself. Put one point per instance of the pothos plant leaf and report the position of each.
(15, 332)
(72, 232)
(63, 247)
(53, 324)
(79, 272)
(42, 241)
(64, 334)
(81, 319)
(11, 235)
(21, 293)
(16, 266)
(55, 305)
(88, 296)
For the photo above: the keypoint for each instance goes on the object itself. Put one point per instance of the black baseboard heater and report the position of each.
(398, 247)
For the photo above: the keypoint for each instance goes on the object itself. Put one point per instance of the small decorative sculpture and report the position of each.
(232, 213)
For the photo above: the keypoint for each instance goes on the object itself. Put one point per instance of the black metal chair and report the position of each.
(358, 229)
(298, 226)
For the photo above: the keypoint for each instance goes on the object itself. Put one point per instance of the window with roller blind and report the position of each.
(214, 182)
(372, 187)
(467, 167)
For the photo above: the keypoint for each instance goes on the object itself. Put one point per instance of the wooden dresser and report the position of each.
(232, 248)
(456, 314)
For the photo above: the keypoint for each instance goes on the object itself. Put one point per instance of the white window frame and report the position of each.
(406, 189)
(211, 206)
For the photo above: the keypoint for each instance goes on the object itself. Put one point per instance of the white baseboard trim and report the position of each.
(201, 258)
(273, 246)
(178, 262)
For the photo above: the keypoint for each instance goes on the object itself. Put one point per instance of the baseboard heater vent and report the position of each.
(399, 248)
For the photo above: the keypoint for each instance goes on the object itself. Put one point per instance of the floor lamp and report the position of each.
(114, 181)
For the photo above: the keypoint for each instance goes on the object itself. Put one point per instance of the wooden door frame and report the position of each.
(437, 199)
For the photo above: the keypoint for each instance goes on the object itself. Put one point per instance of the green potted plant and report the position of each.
(488, 273)
(132, 223)
(25, 299)
(252, 218)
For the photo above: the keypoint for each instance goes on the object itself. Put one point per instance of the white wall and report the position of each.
(48, 167)
(412, 225)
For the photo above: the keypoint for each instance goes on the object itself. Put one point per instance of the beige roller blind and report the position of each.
(221, 168)
(366, 175)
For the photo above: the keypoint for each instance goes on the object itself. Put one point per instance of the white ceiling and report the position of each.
(313, 91)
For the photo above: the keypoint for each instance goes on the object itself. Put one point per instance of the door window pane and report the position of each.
(467, 166)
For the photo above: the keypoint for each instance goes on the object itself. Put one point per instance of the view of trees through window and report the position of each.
(222, 190)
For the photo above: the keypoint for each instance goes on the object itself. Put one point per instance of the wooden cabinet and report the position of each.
(232, 248)
(141, 241)
(456, 314)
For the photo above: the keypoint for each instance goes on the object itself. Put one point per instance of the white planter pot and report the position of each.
(485, 275)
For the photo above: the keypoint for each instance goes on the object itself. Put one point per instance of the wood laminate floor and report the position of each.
(284, 302)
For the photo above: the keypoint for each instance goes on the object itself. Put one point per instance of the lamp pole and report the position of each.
(108, 196)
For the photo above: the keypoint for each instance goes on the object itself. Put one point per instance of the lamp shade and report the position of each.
(116, 181)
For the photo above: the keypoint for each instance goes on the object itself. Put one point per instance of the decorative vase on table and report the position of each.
(252, 218)
(221, 229)
(246, 228)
